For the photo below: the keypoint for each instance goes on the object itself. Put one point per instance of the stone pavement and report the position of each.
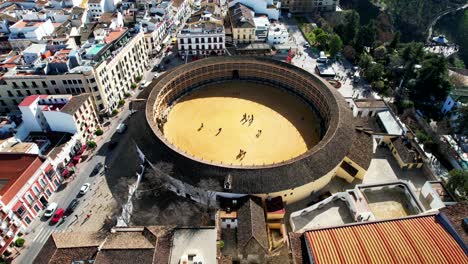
(99, 204)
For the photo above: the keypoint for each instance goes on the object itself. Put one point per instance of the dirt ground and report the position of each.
(209, 125)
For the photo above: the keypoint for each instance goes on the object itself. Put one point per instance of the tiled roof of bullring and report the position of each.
(315, 163)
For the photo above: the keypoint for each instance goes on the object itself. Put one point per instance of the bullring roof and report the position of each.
(315, 163)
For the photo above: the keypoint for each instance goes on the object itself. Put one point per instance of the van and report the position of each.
(121, 128)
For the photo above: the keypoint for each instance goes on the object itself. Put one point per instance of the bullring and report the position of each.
(298, 176)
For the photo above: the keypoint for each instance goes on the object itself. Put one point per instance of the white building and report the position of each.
(60, 113)
(107, 67)
(24, 32)
(95, 9)
(277, 34)
(202, 38)
(32, 53)
(262, 24)
(266, 7)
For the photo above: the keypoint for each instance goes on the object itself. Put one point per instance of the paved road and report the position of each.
(41, 228)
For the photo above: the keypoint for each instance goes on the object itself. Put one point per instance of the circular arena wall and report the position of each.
(317, 162)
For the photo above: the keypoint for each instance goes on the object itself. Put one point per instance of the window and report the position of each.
(52, 82)
(2, 103)
(36, 208)
(69, 82)
(28, 92)
(10, 94)
(24, 84)
(19, 93)
(36, 190)
(64, 82)
(38, 92)
(29, 198)
(20, 211)
(48, 192)
(47, 91)
(27, 220)
(42, 182)
(34, 84)
(68, 90)
(56, 91)
(75, 82)
(80, 82)
(14, 84)
(44, 84)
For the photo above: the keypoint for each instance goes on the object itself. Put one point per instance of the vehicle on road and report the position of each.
(97, 168)
(121, 128)
(307, 45)
(57, 216)
(155, 68)
(144, 84)
(72, 206)
(84, 189)
(50, 210)
(112, 145)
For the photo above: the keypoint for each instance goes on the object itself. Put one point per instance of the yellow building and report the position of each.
(242, 23)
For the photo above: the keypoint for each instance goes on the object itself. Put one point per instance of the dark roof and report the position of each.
(241, 16)
(456, 213)
(51, 253)
(75, 103)
(362, 149)
(251, 225)
(110, 256)
(407, 153)
(298, 248)
(370, 103)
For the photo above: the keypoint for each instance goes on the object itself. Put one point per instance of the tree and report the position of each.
(462, 121)
(366, 36)
(365, 60)
(91, 144)
(335, 44)
(396, 40)
(351, 27)
(374, 72)
(322, 39)
(380, 52)
(99, 132)
(458, 183)
(210, 187)
(349, 53)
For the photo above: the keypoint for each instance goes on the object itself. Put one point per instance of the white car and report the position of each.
(85, 188)
(50, 210)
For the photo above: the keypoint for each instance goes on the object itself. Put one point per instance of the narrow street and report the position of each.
(41, 229)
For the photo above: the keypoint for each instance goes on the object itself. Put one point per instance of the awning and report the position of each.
(65, 173)
(83, 148)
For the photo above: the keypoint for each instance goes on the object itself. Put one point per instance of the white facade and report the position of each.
(33, 52)
(277, 34)
(262, 24)
(95, 9)
(201, 39)
(266, 7)
(33, 30)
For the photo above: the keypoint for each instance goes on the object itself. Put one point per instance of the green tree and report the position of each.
(458, 183)
(349, 53)
(365, 60)
(91, 144)
(322, 39)
(99, 132)
(374, 72)
(310, 36)
(396, 40)
(351, 27)
(380, 52)
(335, 44)
(366, 36)
(432, 84)
(318, 31)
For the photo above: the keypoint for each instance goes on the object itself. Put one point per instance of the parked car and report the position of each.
(112, 145)
(155, 68)
(50, 210)
(97, 168)
(121, 128)
(72, 206)
(57, 216)
(84, 189)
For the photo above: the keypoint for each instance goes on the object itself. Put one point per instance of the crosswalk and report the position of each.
(44, 234)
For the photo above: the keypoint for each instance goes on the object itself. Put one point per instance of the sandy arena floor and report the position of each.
(288, 126)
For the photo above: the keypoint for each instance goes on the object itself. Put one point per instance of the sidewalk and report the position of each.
(99, 204)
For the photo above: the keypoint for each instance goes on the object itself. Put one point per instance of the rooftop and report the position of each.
(29, 100)
(390, 123)
(370, 103)
(115, 34)
(199, 241)
(15, 170)
(456, 214)
(75, 103)
(423, 239)
(241, 16)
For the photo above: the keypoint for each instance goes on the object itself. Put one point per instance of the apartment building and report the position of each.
(25, 32)
(307, 6)
(29, 181)
(277, 34)
(203, 38)
(60, 113)
(105, 68)
(242, 23)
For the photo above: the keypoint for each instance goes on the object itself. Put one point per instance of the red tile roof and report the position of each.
(30, 99)
(15, 171)
(411, 240)
(115, 34)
